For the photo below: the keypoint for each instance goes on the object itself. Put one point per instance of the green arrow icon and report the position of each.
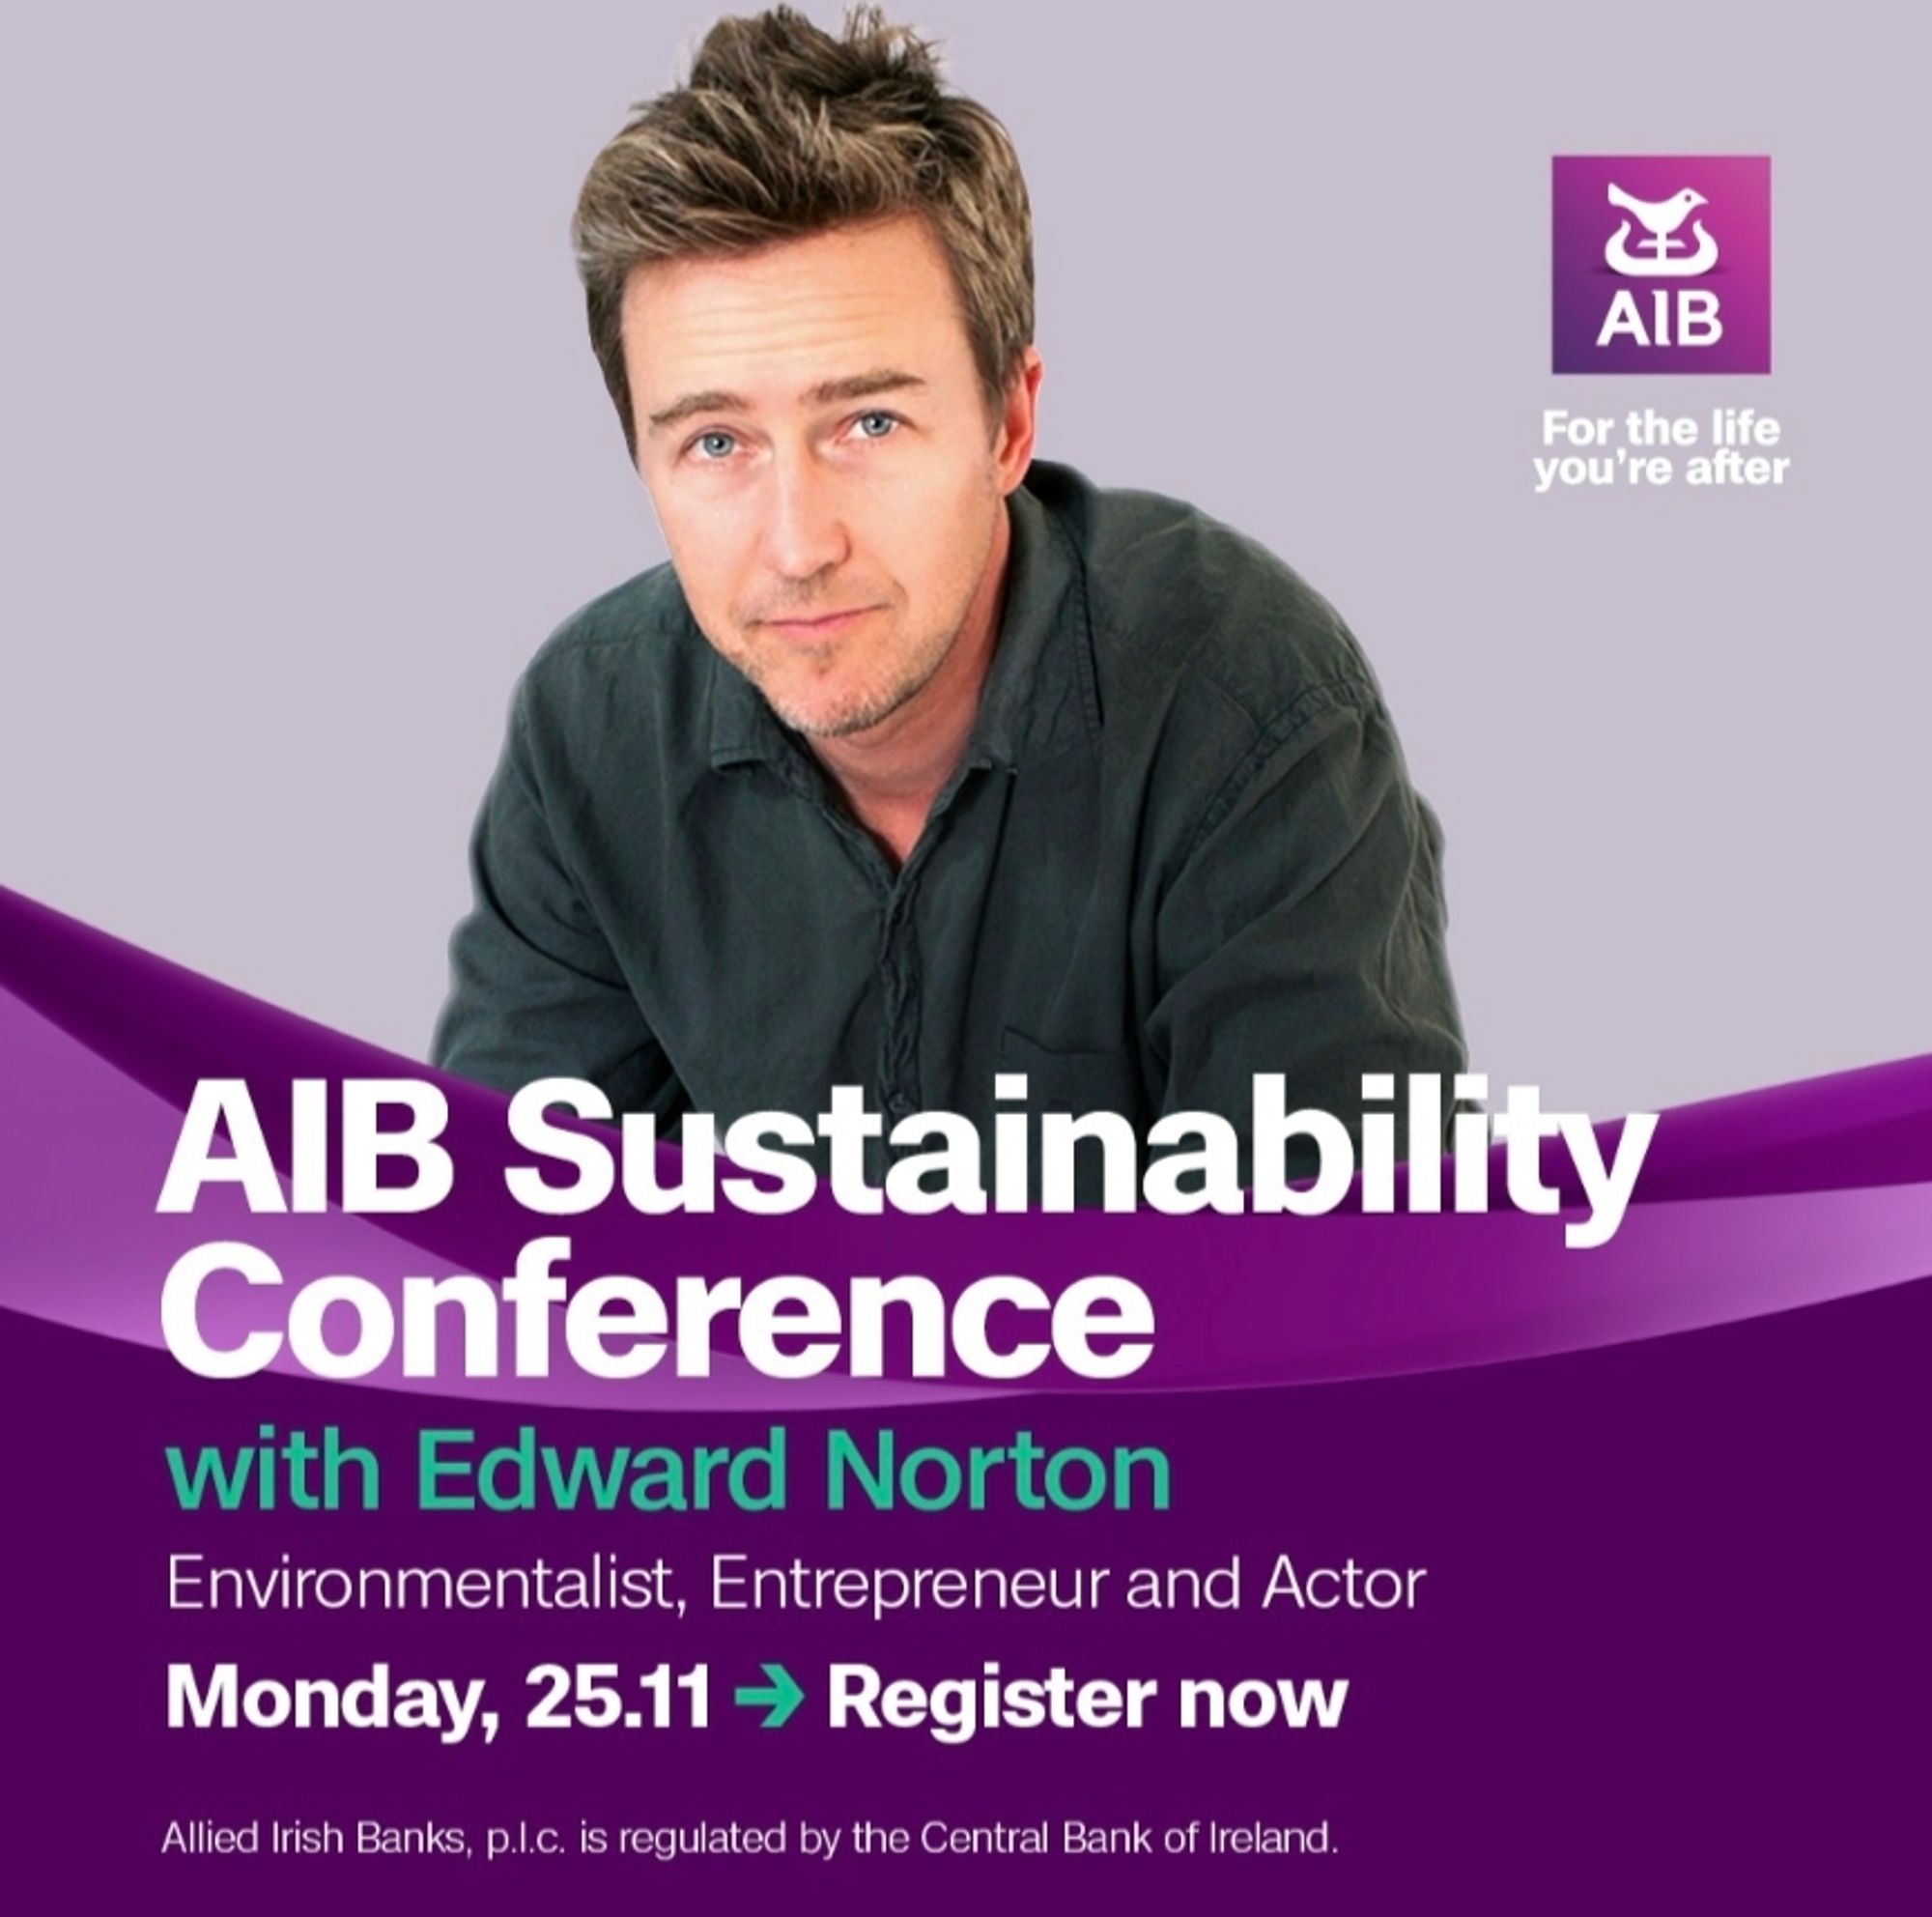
(782, 1696)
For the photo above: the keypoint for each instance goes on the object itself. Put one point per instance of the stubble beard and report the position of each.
(860, 709)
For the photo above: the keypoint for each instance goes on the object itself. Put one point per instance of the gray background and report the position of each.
(304, 453)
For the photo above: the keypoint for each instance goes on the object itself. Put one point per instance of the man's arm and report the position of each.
(1304, 931)
(535, 989)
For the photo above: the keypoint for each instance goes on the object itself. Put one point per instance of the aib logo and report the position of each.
(1661, 264)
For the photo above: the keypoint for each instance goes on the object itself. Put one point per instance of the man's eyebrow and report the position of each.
(696, 402)
(829, 392)
(864, 386)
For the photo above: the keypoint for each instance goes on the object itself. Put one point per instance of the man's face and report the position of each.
(817, 446)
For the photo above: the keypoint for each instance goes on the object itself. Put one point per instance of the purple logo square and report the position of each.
(1660, 264)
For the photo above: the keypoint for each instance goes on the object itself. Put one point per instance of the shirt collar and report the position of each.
(1039, 697)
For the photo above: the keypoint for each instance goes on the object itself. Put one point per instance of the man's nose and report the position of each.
(804, 531)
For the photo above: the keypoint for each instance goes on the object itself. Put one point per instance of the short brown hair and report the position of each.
(784, 131)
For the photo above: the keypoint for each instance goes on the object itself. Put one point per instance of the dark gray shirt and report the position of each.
(1181, 849)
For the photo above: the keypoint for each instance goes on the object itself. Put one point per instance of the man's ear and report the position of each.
(1019, 414)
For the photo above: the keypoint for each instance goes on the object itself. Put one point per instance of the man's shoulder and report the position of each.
(1177, 596)
(639, 632)
(623, 679)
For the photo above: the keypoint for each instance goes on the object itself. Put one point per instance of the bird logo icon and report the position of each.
(1634, 278)
(1661, 255)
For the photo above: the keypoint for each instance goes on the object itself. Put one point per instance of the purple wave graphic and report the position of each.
(1746, 1205)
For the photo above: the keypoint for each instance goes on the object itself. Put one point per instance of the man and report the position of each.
(922, 762)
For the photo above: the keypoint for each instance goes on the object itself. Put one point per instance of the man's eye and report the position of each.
(714, 445)
(875, 425)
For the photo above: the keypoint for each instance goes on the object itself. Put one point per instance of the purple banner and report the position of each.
(1637, 1618)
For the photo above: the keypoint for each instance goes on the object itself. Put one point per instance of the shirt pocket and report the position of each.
(1073, 1081)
